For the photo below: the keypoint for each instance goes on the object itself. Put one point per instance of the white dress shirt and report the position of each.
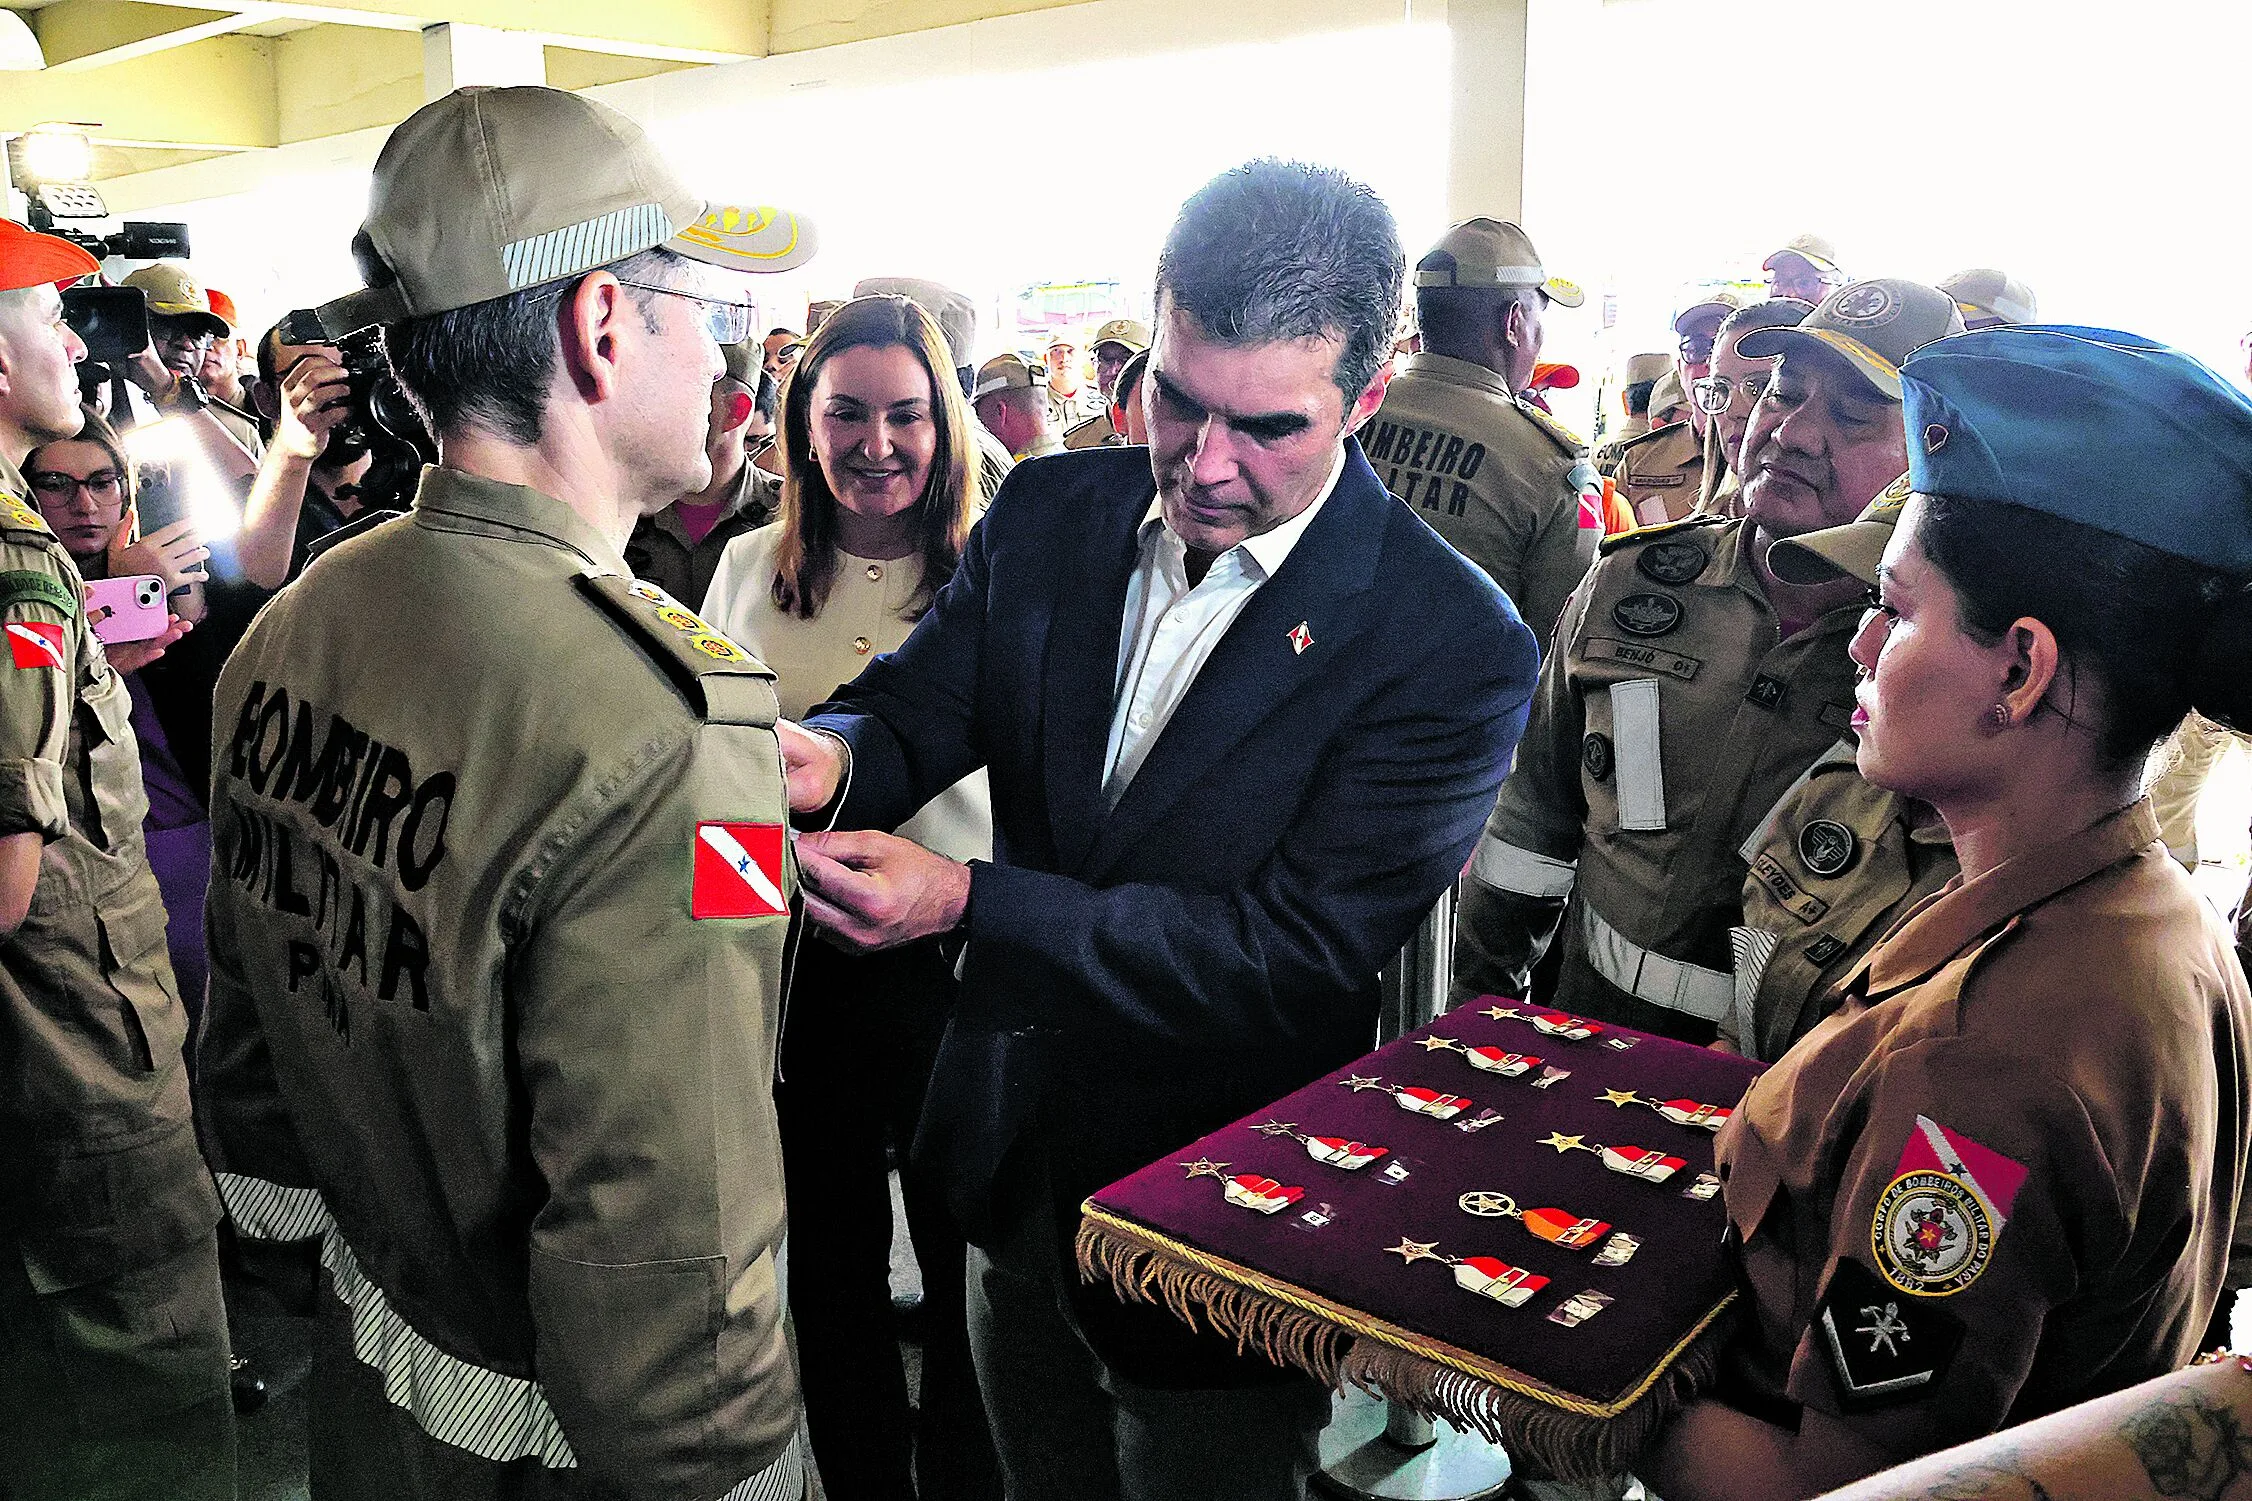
(1171, 629)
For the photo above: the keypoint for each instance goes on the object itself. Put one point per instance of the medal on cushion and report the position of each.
(1558, 1226)
(1646, 1163)
(1554, 1023)
(1487, 1276)
(1432, 1102)
(1247, 1190)
(1337, 1151)
(1680, 1112)
(1490, 1060)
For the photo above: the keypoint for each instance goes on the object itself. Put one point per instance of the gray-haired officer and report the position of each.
(501, 892)
(1687, 691)
(1838, 861)
(113, 1341)
(1500, 479)
(1989, 298)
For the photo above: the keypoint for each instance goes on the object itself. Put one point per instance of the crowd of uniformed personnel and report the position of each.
(1857, 637)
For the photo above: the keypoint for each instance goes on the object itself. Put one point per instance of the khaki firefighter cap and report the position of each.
(1987, 293)
(1876, 325)
(1007, 372)
(1854, 549)
(1125, 332)
(489, 191)
(1667, 396)
(1491, 253)
(172, 290)
(1812, 249)
(1642, 367)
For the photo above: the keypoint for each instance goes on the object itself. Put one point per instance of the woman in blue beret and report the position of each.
(2002, 1177)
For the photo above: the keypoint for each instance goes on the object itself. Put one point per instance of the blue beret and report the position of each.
(2100, 427)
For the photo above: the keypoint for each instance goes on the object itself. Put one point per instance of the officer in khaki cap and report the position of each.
(1988, 298)
(1115, 343)
(1638, 383)
(501, 889)
(1805, 269)
(1839, 861)
(1500, 479)
(113, 1343)
(1687, 691)
(1011, 402)
(1661, 475)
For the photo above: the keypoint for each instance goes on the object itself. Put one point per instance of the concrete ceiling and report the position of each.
(163, 84)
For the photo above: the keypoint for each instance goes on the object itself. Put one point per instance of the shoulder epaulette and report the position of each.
(18, 515)
(1564, 438)
(1663, 529)
(726, 683)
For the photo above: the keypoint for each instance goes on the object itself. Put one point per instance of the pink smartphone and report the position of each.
(127, 609)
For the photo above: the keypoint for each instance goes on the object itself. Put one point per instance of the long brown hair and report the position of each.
(805, 564)
(95, 429)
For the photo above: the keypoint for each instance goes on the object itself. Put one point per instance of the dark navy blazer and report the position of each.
(1141, 975)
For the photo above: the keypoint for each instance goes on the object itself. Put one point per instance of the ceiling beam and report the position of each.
(216, 94)
(80, 34)
(688, 31)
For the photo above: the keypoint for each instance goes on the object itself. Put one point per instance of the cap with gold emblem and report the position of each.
(489, 191)
(1007, 372)
(1132, 336)
(173, 291)
(1987, 297)
(1812, 249)
(1854, 548)
(1491, 253)
(1876, 325)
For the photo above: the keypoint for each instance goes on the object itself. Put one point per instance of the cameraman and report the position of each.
(498, 1053)
(308, 483)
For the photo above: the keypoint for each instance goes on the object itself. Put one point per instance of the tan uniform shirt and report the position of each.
(499, 910)
(1607, 452)
(2001, 1178)
(864, 616)
(106, 1211)
(1831, 870)
(1660, 474)
(661, 551)
(1094, 432)
(1670, 718)
(1495, 476)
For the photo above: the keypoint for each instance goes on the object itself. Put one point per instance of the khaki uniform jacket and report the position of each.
(490, 1025)
(2001, 1178)
(1832, 870)
(1669, 721)
(1607, 452)
(1661, 474)
(660, 550)
(1095, 432)
(1495, 476)
(106, 1208)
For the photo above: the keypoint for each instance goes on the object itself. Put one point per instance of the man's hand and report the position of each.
(315, 397)
(173, 553)
(152, 375)
(815, 765)
(877, 891)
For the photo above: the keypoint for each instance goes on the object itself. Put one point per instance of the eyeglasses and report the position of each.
(730, 322)
(1715, 392)
(102, 485)
(1695, 350)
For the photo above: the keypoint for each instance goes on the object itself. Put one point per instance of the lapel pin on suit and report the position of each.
(1300, 638)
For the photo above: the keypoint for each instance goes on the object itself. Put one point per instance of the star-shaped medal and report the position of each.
(1277, 1128)
(1502, 1013)
(1412, 1251)
(1205, 1167)
(1620, 1097)
(1435, 1044)
(1488, 1205)
(1359, 1082)
(1563, 1143)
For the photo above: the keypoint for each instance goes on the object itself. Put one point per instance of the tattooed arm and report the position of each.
(2187, 1436)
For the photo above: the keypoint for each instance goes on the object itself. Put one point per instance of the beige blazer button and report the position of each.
(860, 644)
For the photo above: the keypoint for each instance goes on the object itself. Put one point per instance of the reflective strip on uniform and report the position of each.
(1750, 848)
(1507, 867)
(493, 1416)
(1691, 988)
(1635, 755)
(1754, 949)
(783, 1480)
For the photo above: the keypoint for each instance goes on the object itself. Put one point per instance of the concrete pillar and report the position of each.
(1486, 124)
(455, 55)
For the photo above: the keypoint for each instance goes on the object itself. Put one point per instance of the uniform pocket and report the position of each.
(120, 801)
(629, 1355)
(139, 970)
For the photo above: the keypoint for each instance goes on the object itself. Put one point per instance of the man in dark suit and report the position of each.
(1244, 716)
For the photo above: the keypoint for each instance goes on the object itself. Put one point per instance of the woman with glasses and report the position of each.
(85, 490)
(877, 501)
(1727, 394)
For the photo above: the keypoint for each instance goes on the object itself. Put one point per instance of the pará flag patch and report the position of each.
(738, 871)
(1933, 1148)
(34, 643)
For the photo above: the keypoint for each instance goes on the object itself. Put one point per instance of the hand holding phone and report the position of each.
(173, 552)
(127, 609)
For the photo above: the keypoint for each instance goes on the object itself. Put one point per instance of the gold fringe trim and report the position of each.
(1547, 1431)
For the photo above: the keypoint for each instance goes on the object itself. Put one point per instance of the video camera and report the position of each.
(379, 420)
